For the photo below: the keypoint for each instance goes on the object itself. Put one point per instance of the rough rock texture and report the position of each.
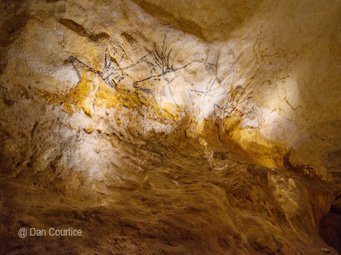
(166, 127)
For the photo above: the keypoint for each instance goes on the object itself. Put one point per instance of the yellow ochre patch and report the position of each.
(250, 142)
(92, 92)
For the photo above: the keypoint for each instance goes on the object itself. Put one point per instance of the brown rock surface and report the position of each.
(170, 127)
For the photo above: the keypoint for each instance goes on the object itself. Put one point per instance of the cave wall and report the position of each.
(192, 127)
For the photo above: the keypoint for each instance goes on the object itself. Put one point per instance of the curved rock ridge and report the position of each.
(201, 127)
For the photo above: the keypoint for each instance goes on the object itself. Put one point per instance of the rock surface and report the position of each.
(166, 127)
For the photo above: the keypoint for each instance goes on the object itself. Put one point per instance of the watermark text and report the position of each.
(57, 232)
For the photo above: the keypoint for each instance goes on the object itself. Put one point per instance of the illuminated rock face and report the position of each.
(200, 127)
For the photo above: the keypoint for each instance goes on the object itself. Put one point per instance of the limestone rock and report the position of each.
(169, 127)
